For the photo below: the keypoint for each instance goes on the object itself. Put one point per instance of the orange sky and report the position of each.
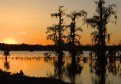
(25, 21)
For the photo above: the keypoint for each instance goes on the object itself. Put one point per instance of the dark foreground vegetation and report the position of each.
(20, 78)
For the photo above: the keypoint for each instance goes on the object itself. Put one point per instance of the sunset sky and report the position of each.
(25, 21)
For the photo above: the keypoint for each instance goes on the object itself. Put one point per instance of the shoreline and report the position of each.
(20, 78)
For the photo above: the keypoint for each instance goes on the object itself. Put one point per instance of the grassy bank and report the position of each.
(19, 78)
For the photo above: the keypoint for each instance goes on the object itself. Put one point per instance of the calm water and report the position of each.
(34, 64)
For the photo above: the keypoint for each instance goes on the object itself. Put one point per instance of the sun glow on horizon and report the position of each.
(10, 41)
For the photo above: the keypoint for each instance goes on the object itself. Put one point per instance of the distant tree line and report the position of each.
(66, 47)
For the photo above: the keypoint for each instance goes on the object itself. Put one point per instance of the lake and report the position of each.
(35, 64)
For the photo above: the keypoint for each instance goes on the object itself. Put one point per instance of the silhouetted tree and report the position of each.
(73, 39)
(119, 52)
(99, 22)
(56, 34)
(73, 36)
(119, 43)
(6, 63)
(60, 26)
(52, 34)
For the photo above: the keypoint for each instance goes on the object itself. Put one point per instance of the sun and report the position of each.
(9, 41)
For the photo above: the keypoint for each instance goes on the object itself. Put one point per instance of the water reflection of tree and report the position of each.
(59, 66)
(6, 63)
(55, 57)
(74, 68)
(102, 70)
(113, 65)
(66, 67)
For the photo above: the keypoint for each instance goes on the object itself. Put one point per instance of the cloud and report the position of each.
(24, 33)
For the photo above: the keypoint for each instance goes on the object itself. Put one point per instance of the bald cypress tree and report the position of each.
(56, 34)
(60, 26)
(74, 37)
(99, 21)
